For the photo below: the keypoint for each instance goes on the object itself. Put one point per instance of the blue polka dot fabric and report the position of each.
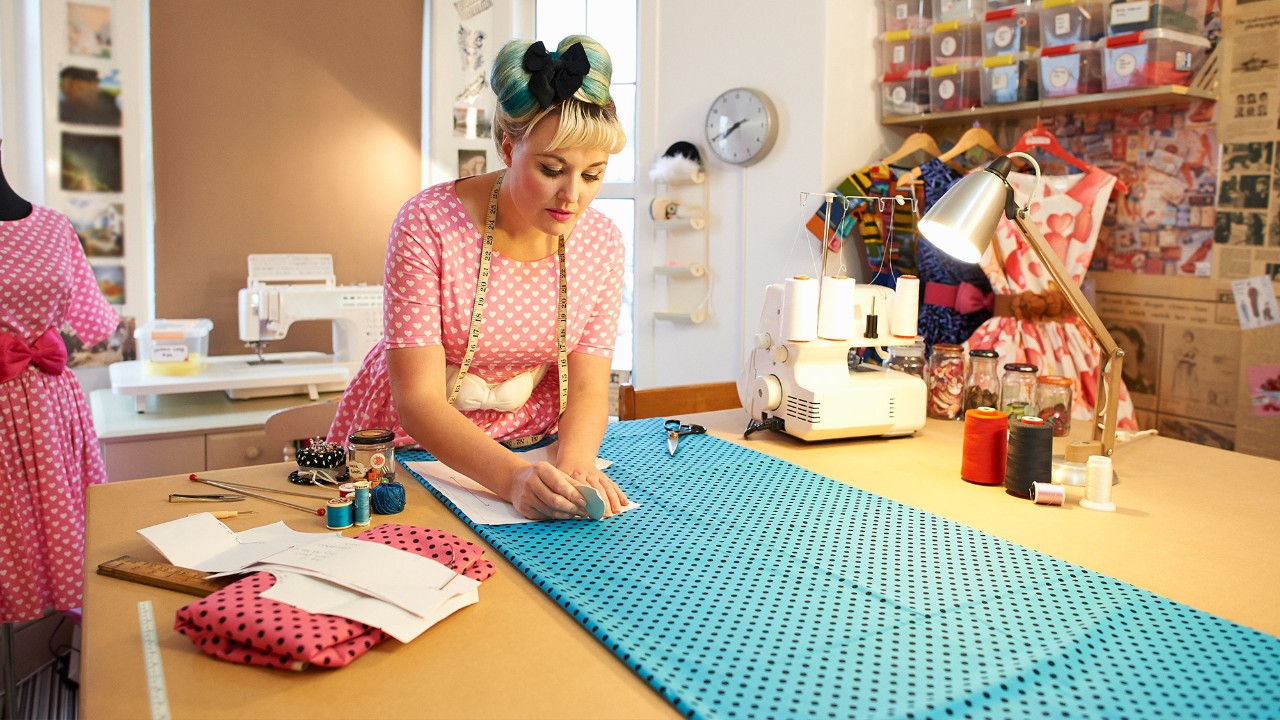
(747, 587)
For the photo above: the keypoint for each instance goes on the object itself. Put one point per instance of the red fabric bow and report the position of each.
(965, 297)
(969, 298)
(47, 353)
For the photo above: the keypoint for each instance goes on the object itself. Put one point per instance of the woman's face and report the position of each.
(549, 189)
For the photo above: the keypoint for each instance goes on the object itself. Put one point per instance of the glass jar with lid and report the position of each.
(982, 384)
(908, 359)
(374, 449)
(1053, 398)
(946, 381)
(1018, 390)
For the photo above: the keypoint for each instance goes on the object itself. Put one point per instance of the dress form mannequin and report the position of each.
(12, 206)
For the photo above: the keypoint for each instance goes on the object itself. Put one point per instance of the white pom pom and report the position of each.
(673, 167)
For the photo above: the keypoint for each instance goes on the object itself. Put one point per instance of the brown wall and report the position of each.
(281, 126)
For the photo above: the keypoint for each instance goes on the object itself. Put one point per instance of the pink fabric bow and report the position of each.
(971, 299)
(965, 297)
(47, 353)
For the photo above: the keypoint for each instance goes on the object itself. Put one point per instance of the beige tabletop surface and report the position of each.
(1195, 524)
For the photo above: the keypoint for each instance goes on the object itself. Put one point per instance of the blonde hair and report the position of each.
(587, 119)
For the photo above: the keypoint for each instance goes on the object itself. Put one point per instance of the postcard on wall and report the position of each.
(1251, 82)
(471, 122)
(468, 9)
(1264, 389)
(1199, 367)
(91, 163)
(99, 225)
(1140, 341)
(1255, 300)
(110, 282)
(89, 30)
(471, 162)
(1201, 433)
(120, 345)
(89, 96)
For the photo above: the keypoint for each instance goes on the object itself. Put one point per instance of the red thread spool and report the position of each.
(986, 446)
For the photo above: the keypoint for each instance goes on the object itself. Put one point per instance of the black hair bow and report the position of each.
(554, 80)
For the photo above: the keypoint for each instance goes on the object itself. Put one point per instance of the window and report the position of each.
(613, 23)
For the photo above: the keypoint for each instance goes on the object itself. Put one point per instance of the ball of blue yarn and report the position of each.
(387, 498)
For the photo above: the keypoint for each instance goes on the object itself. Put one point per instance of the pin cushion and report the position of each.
(320, 462)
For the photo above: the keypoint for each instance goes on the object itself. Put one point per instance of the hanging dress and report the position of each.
(48, 451)
(1030, 323)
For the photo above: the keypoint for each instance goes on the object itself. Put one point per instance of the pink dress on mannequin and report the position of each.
(48, 448)
(1068, 210)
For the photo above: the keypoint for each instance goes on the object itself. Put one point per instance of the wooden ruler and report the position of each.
(163, 575)
(157, 693)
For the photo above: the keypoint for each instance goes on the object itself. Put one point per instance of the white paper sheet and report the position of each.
(202, 542)
(319, 596)
(476, 501)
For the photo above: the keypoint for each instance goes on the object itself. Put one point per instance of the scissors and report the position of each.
(675, 429)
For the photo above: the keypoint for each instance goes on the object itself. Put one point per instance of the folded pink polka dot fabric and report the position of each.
(237, 624)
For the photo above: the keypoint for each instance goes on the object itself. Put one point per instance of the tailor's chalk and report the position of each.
(595, 503)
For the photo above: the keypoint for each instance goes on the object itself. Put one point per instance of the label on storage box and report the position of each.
(947, 89)
(1127, 13)
(898, 95)
(168, 353)
(1062, 23)
(900, 11)
(1182, 60)
(899, 54)
(948, 46)
(1125, 63)
(1003, 36)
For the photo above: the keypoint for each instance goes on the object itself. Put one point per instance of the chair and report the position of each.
(303, 422)
(676, 400)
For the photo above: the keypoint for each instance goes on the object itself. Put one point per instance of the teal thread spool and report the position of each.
(337, 514)
(362, 503)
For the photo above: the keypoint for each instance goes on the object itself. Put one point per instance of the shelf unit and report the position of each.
(679, 219)
(1144, 97)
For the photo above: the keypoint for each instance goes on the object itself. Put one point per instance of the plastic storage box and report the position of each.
(1150, 58)
(955, 42)
(1063, 22)
(1067, 70)
(963, 10)
(1010, 31)
(1185, 16)
(955, 87)
(173, 347)
(1010, 79)
(1002, 4)
(907, 14)
(904, 50)
(904, 93)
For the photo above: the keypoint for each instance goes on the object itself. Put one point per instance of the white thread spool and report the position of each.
(906, 307)
(800, 309)
(1043, 493)
(1097, 480)
(835, 308)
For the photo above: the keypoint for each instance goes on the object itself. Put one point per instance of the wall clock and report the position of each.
(742, 125)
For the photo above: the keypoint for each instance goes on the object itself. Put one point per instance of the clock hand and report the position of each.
(728, 132)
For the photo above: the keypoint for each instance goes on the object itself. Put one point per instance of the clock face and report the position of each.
(741, 126)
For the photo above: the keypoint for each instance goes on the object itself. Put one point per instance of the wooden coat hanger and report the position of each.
(974, 137)
(915, 142)
(1040, 138)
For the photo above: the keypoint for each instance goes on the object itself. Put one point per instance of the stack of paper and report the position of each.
(396, 591)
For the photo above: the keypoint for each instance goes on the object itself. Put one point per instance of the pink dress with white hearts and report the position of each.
(48, 448)
(433, 259)
(1068, 211)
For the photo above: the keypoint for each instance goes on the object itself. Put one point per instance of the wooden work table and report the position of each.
(1194, 524)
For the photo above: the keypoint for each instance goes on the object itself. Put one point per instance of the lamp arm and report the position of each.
(1103, 437)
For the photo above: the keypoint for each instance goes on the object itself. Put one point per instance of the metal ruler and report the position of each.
(157, 695)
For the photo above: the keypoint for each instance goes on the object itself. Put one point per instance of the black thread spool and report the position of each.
(1030, 455)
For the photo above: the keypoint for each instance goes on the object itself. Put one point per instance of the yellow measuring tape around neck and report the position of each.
(477, 315)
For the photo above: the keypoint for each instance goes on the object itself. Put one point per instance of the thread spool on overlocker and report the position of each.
(835, 307)
(904, 322)
(1030, 457)
(665, 209)
(800, 309)
(1098, 484)
(986, 446)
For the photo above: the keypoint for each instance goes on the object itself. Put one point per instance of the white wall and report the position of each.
(817, 60)
(21, 122)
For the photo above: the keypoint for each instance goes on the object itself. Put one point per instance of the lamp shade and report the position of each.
(964, 219)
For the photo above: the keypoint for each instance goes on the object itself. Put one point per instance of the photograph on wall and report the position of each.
(99, 224)
(471, 122)
(118, 346)
(471, 162)
(1240, 228)
(87, 96)
(1264, 389)
(1141, 369)
(471, 48)
(91, 163)
(111, 282)
(1255, 300)
(1201, 433)
(1198, 371)
(89, 30)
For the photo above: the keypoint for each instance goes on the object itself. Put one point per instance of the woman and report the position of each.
(466, 365)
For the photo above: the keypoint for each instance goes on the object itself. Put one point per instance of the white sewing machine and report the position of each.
(808, 390)
(288, 288)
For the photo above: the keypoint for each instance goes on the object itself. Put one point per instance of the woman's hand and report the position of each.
(541, 492)
(588, 474)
